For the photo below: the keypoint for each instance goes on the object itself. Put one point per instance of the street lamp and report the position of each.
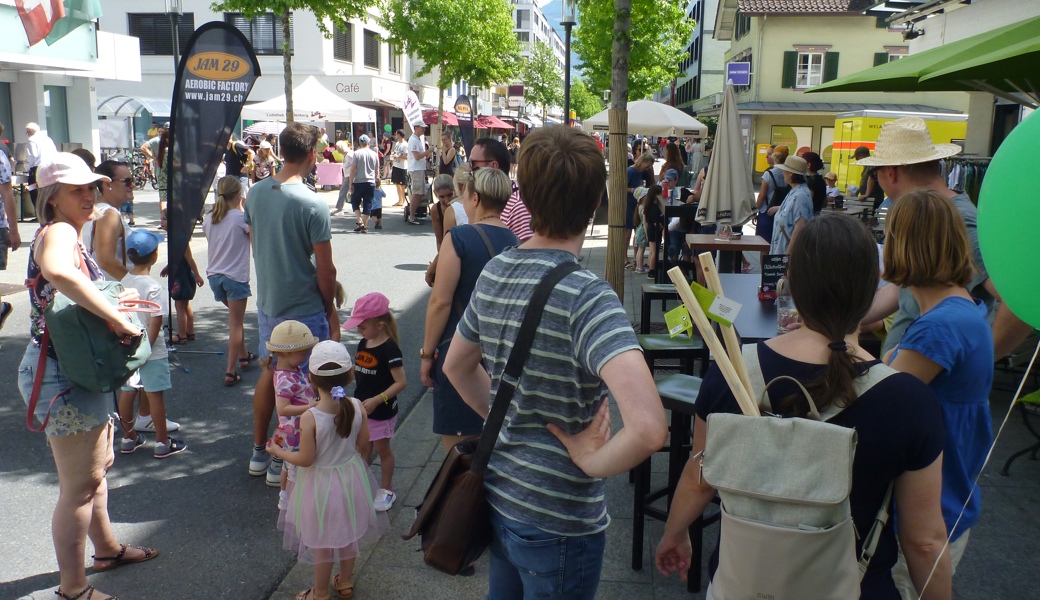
(570, 19)
(173, 8)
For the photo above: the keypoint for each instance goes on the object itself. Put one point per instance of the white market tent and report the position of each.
(311, 102)
(646, 117)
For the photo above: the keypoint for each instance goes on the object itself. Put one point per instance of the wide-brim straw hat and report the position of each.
(906, 141)
(794, 164)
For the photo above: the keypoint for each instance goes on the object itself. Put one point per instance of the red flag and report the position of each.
(38, 17)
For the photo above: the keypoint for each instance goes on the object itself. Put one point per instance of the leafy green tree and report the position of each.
(583, 101)
(542, 77)
(327, 11)
(660, 32)
(470, 40)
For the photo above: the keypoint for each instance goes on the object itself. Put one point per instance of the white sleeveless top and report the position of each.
(88, 237)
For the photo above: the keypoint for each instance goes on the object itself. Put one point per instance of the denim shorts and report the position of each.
(317, 323)
(153, 376)
(528, 563)
(75, 412)
(224, 288)
(127, 208)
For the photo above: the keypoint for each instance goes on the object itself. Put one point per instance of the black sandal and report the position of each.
(190, 337)
(89, 591)
(118, 560)
(245, 363)
(232, 379)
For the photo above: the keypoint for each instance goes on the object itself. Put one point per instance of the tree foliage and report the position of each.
(660, 32)
(470, 40)
(583, 101)
(542, 77)
(326, 11)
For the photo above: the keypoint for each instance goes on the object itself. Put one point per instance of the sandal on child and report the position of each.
(310, 594)
(345, 590)
(178, 340)
(247, 361)
(630, 267)
(89, 591)
(120, 559)
(232, 379)
(190, 337)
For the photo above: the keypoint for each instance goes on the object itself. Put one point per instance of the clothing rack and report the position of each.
(965, 174)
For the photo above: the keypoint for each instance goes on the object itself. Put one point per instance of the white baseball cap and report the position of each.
(65, 167)
(332, 352)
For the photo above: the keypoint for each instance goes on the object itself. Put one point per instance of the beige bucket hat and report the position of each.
(290, 336)
(795, 164)
(906, 141)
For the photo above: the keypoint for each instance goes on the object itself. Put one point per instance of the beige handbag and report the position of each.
(787, 531)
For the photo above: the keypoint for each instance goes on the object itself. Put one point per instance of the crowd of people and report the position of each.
(504, 216)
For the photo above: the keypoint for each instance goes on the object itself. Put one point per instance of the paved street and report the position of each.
(215, 526)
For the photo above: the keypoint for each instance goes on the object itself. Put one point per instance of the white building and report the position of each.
(702, 71)
(357, 63)
(54, 84)
(530, 26)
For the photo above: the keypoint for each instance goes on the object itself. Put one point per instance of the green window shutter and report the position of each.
(830, 66)
(880, 58)
(790, 69)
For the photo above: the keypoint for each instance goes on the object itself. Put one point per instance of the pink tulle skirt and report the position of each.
(330, 515)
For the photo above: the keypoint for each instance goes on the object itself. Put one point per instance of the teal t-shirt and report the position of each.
(286, 221)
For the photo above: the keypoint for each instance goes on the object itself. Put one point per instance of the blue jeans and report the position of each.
(528, 563)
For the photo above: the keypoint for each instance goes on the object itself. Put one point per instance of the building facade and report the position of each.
(530, 27)
(794, 45)
(356, 62)
(53, 84)
(702, 71)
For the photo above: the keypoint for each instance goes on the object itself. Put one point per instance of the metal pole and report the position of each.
(567, 75)
(174, 22)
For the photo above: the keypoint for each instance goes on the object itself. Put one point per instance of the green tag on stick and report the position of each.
(720, 310)
(678, 321)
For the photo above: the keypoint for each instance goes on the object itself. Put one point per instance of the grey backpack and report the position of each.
(787, 530)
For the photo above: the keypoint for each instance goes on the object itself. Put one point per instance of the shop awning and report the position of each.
(1001, 62)
(311, 102)
(824, 108)
(491, 122)
(129, 106)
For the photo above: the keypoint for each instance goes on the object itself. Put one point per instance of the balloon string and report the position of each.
(1007, 417)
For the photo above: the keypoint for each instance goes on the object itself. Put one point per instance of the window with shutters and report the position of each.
(523, 18)
(741, 25)
(810, 70)
(264, 32)
(395, 59)
(371, 49)
(155, 32)
(343, 42)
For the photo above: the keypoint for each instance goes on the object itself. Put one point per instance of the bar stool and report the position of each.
(678, 394)
(662, 346)
(650, 292)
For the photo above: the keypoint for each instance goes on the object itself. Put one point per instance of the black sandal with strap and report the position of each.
(89, 591)
(118, 559)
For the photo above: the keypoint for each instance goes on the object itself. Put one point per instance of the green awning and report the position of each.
(1001, 61)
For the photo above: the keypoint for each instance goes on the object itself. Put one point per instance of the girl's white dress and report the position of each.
(330, 511)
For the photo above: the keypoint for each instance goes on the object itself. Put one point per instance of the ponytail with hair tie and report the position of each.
(839, 346)
(338, 392)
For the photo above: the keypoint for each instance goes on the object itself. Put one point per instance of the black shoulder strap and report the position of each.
(487, 242)
(515, 364)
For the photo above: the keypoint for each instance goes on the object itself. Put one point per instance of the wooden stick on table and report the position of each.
(741, 393)
(711, 276)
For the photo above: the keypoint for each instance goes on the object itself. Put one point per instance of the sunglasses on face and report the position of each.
(129, 181)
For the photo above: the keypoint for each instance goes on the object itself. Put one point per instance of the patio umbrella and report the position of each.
(491, 122)
(647, 117)
(1007, 48)
(729, 195)
(430, 118)
(264, 128)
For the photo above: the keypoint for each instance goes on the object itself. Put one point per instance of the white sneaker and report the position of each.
(282, 499)
(384, 500)
(145, 424)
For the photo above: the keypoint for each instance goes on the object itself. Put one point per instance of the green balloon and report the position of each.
(386, 128)
(1008, 213)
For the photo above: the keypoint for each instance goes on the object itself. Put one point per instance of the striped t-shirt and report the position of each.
(531, 477)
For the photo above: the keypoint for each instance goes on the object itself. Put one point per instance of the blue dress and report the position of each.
(956, 336)
(451, 414)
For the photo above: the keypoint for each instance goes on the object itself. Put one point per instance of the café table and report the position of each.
(852, 211)
(756, 320)
(700, 242)
(330, 174)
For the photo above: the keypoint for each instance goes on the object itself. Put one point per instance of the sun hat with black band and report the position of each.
(906, 141)
(330, 352)
(794, 164)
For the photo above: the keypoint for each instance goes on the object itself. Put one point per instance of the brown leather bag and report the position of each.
(454, 520)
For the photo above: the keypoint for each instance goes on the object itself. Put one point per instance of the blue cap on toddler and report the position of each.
(142, 242)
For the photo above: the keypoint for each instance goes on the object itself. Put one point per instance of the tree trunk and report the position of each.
(287, 66)
(617, 235)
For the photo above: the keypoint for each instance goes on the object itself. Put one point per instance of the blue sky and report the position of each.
(553, 11)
